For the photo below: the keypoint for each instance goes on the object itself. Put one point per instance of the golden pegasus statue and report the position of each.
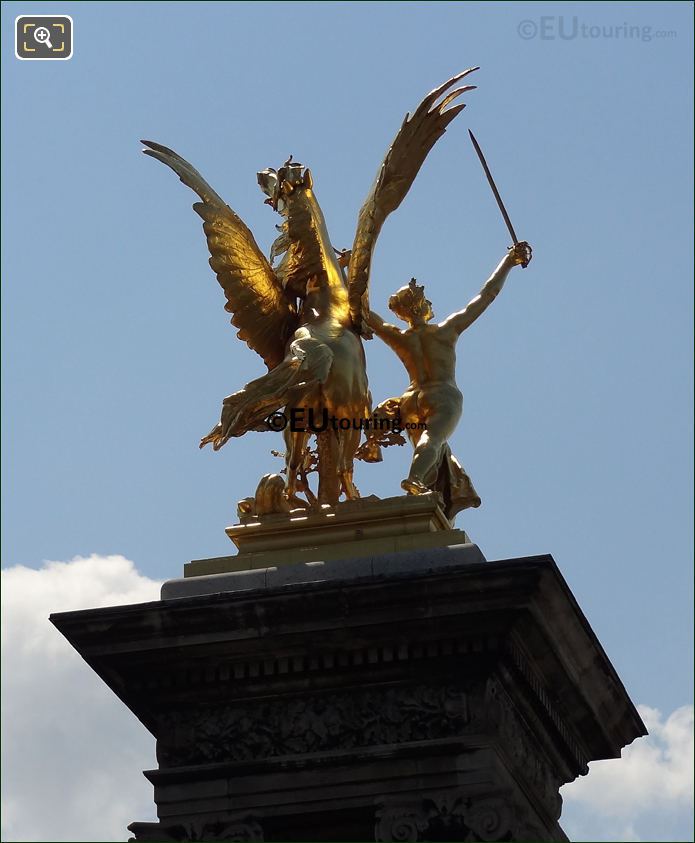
(307, 314)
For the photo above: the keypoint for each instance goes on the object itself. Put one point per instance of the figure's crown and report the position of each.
(417, 291)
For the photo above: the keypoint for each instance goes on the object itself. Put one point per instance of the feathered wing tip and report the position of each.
(416, 137)
(261, 311)
(185, 171)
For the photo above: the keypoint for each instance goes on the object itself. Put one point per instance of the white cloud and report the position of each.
(72, 752)
(645, 795)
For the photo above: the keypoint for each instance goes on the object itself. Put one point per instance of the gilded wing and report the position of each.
(416, 137)
(260, 308)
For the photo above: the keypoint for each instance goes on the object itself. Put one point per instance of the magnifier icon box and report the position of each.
(43, 37)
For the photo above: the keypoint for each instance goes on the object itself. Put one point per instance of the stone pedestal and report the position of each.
(356, 528)
(421, 694)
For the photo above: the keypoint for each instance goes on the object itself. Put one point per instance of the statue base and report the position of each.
(419, 694)
(350, 529)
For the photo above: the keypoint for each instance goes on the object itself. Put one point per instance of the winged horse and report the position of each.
(305, 315)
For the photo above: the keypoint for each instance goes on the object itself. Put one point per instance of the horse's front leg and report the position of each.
(349, 442)
(295, 447)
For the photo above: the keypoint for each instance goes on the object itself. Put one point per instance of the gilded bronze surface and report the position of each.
(306, 315)
(431, 406)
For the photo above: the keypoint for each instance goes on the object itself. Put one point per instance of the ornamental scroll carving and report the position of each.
(445, 816)
(332, 722)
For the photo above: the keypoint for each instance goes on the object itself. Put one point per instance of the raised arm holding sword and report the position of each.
(432, 404)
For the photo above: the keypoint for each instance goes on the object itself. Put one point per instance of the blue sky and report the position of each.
(577, 427)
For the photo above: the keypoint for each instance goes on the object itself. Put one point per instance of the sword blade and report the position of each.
(496, 192)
